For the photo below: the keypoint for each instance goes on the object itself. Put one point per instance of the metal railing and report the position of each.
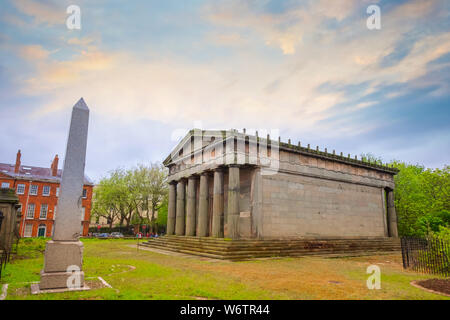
(426, 255)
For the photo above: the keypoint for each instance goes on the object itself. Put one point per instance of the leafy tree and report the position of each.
(133, 196)
(422, 199)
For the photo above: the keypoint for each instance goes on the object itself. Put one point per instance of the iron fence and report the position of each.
(426, 255)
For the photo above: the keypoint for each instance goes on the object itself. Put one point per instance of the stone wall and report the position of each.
(299, 206)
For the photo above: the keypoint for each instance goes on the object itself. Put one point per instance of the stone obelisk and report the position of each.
(64, 254)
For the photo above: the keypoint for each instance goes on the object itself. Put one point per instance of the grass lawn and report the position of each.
(145, 274)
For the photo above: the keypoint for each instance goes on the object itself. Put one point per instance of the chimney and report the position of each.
(17, 166)
(54, 166)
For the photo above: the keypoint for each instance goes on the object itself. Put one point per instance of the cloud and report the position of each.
(83, 41)
(48, 12)
(249, 87)
(33, 52)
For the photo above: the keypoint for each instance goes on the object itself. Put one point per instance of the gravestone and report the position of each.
(64, 253)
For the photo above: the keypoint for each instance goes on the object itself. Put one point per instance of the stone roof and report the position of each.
(286, 146)
(35, 173)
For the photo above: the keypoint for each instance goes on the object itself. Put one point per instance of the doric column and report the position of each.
(233, 202)
(217, 219)
(203, 206)
(179, 224)
(171, 214)
(190, 207)
(392, 215)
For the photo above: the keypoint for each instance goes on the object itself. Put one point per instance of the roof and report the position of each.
(281, 145)
(35, 173)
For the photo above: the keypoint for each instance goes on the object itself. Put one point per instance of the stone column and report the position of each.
(217, 219)
(203, 206)
(190, 208)
(171, 214)
(64, 254)
(233, 202)
(392, 215)
(179, 222)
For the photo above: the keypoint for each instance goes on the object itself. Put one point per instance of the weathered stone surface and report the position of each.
(8, 206)
(68, 219)
(65, 251)
(61, 254)
(203, 206)
(310, 194)
(190, 207)
(298, 206)
(171, 214)
(392, 215)
(180, 217)
(56, 280)
(233, 213)
(218, 213)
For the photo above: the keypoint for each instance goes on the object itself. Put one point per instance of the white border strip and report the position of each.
(104, 282)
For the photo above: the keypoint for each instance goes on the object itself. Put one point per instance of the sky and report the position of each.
(152, 70)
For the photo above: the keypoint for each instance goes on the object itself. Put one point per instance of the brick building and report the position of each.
(38, 190)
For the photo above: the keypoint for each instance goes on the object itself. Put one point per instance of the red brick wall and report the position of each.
(50, 200)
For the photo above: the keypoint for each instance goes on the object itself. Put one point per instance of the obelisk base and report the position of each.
(63, 264)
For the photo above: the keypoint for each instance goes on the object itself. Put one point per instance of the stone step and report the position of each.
(249, 256)
(270, 241)
(285, 246)
(268, 244)
(270, 252)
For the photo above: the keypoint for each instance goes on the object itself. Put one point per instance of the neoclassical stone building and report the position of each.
(235, 185)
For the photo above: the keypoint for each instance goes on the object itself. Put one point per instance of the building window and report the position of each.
(83, 211)
(5, 185)
(44, 210)
(46, 191)
(28, 230)
(20, 189)
(54, 212)
(34, 189)
(84, 193)
(30, 211)
(57, 191)
(19, 208)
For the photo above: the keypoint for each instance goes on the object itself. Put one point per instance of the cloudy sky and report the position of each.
(151, 69)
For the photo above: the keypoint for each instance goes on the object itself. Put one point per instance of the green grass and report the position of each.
(158, 276)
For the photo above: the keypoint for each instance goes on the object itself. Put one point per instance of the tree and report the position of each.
(149, 186)
(132, 196)
(422, 199)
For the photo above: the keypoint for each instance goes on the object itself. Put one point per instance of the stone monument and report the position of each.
(64, 254)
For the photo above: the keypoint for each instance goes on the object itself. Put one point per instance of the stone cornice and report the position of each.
(288, 147)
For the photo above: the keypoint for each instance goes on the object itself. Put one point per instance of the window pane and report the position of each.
(44, 210)
(20, 189)
(5, 185)
(28, 230)
(34, 189)
(46, 190)
(30, 211)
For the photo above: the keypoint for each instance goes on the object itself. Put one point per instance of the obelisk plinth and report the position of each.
(64, 254)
